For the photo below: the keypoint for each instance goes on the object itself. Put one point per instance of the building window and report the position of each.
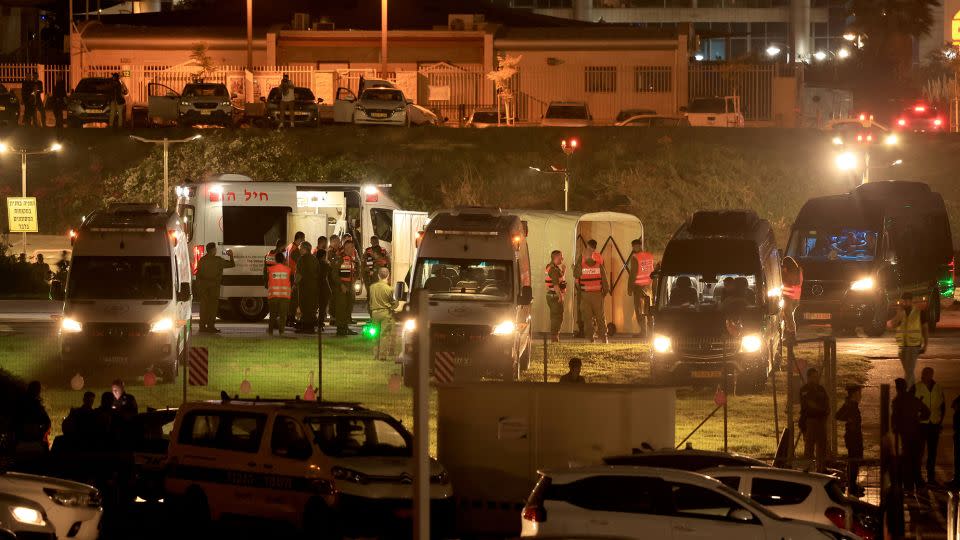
(600, 80)
(653, 79)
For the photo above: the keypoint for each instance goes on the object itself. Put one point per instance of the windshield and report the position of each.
(707, 292)
(382, 94)
(120, 278)
(299, 94)
(459, 279)
(355, 436)
(844, 244)
(205, 90)
(574, 112)
(707, 105)
(95, 86)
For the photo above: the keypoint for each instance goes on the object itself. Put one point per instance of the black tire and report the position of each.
(250, 309)
(171, 370)
(194, 510)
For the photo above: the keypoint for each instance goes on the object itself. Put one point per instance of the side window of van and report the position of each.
(237, 432)
(200, 429)
(289, 440)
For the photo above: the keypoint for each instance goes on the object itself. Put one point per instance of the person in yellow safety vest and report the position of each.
(641, 266)
(556, 283)
(930, 393)
(592, 280)
(279, 290)
(910, 324)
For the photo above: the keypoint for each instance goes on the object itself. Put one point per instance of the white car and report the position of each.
(73, 508)
(801, 495)
(381, 106)
(645, 503)
(422, 116)
(567, 114)
(715, 112)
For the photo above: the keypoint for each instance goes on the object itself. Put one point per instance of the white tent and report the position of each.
(569, 232)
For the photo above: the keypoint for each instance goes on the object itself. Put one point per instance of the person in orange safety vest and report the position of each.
(592, 287)
(279, 291)
(640, 265)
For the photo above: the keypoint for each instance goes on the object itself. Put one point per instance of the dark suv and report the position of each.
(90, 101)
(305, 109)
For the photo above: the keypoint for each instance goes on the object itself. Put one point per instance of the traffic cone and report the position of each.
(309, 394)
(77, 382)
(720, 397)
(149, 379)
(245, 386)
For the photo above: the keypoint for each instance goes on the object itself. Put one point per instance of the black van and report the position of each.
(861, 250)
(720, 270)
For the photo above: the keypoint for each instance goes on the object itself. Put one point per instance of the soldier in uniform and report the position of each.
(592, 280)
(640, 265)
(333, 254)
(209, 275)
(375, 257)
(556, 283)
(343, 268)
(308, 281)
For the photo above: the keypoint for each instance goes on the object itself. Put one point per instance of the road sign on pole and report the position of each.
(22, 214)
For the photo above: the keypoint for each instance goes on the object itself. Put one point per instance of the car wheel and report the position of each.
(250, 309)
(195, 509)
(749, 382)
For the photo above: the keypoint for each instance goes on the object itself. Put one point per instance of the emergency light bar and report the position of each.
(122, 229)
(442, 232)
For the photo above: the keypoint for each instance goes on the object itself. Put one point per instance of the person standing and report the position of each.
(117, 102)
(287, 99)
(333, 257)
(38, 96)
(344, 271)
(640, 265)
(556, 283)
(930, 393)
(349, 253)
(81, 420)
(58, 102)
(850, 415)
(574, 366)
(210, 269)
(124, 404)
(375, 257)
(279, 290)
(910, 323)
(592, 279)
(308, 280)
(382, 307)
(324, 287)
(29, 99)
(906, 413)
(814, 410)
(792, 276)
(293, 255)
(270, 259)
(321, 244)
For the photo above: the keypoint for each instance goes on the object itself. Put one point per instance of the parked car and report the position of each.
(24, 519)
(321, 466)
(643, 503)
(73, 508)
(422, 116)
(485, 118)
(654, 120)
(684, 460)
(802, 495)
(90, 102)
(567, 114)
(206, 103)
(9, 107)
(381, 106)
(715, 112)
(630, 113)
(306, 110)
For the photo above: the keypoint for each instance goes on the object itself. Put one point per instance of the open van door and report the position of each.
(343, 106)
(312, 225)
(163, 104)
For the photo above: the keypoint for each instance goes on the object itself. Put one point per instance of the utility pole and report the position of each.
(568, 147)
(166, 161)
(250, 35)
(383, 37)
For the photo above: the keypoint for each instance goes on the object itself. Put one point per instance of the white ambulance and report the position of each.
(249, 217)
(126, 301)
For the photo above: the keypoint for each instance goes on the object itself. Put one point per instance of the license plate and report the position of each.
(94, 111)
(205, 113)
(3, 108)
(378, 115)
(115, 359)
(817, 316)
(705, 374)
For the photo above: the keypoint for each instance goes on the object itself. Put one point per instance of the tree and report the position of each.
(889, 28)
(506, 69)
(200, 57)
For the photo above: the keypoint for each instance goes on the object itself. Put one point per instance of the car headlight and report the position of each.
(72, 498)
(750, 343)
(224, 103)
(70, 326)
(30, 516)
(409, 325)
(348, 475)
(865, 284)
(400, 109)
(185, 103)
(662, 344)
(837, 141)
(891, 140)
(504, 328)
(163, 325)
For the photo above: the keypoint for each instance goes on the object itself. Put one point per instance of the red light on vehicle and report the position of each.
(837, 516)
(901, 122)
(73, 236)
(869, 138)
(535, 514)
(919, 108)
(938, 122)
(198, 253)
(863, 117)
(215, 196)
(859, 138)
(373, 198)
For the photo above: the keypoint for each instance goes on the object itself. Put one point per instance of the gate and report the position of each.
(753, 83)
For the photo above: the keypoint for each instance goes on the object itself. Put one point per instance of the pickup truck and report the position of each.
(714, 112)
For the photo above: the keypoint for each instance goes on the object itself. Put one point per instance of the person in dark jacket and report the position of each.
(308, 280)
(814, 410)
(849, 414)
(34, 422)
(125, 404)
(104, 415)
(906, 413)
(58, 102)
(324, 286)
(573, 372)
(81, 420)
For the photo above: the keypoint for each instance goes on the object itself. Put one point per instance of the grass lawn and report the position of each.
(282, 367)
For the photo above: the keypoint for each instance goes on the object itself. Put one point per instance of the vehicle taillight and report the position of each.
(938, 122)
(198, 252)
(536, 514)
(919, 108)
(837, 516)
(902, 122)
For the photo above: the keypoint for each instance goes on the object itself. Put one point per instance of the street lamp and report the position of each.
(568, 147)
(773, 51)
(843, 53)
(166, 160)
(5, 148)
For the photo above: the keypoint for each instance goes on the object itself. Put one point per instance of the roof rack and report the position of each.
(295, 402)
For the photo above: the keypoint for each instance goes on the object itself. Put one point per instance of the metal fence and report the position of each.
(753, 83)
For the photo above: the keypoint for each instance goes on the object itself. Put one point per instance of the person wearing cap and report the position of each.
(850, 415)
(573, 373)
(930, 393)
(910, 324)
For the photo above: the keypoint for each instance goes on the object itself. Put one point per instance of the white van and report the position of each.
(127, 296)
(249, 217)
(334, 467)
(475, 266)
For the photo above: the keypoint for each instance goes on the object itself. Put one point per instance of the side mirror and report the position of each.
(183, 295)
(400, 291)
(526, 296)
(741, 515)
(409, 102)
(319, 100)
(56, 291)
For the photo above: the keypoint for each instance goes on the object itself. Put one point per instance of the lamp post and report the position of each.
(166, 160)
(4, 148)
(568, 147)
(383, 37)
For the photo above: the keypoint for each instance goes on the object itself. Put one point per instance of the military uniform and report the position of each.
(592, 282)
(210, 269)
(374, 258)
(641, 266)
(555, 275)
(308, 284)
(343, 269)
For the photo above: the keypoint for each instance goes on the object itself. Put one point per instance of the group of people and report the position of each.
(592, 285)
